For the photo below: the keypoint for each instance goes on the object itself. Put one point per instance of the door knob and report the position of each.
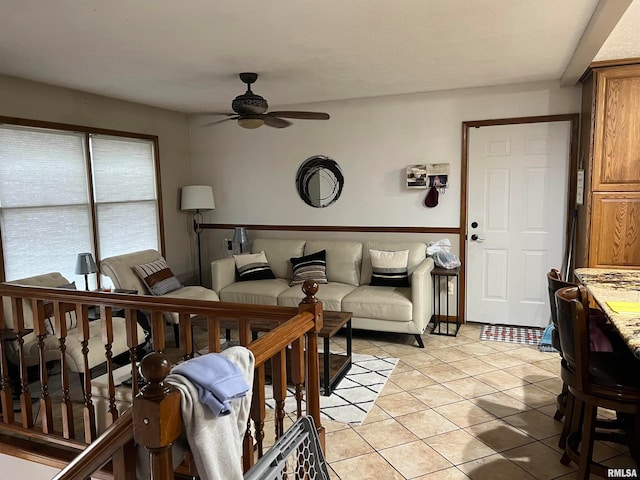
(476, 238)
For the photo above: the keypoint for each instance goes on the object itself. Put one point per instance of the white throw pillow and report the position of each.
(253, 266)
(389, 268)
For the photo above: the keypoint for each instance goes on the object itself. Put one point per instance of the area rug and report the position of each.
(503, 333)
(355, 394)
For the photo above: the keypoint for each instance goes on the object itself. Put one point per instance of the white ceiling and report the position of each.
(185, 55)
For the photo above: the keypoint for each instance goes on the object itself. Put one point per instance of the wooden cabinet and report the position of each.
(608, 226)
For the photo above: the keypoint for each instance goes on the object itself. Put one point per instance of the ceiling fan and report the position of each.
(251, 110)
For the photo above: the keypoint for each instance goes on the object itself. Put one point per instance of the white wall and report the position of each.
(373, 140)
(37, 101)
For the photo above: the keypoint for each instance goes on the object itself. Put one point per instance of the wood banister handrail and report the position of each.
(292, 327)
(149, 302)
(267, 346)
(101, 450)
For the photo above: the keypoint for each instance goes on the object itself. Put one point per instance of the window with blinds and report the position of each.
(64, 192)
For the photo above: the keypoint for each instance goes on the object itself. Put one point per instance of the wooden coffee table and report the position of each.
(333, 366)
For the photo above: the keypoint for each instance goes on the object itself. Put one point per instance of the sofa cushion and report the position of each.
(389, 268)
(343, 259)
(257, 292)
(310, 267)
(157, 277)
(417, 254)
(384, 303)
(253, 266)
(191, 292)
(330, 295)
(279, 251)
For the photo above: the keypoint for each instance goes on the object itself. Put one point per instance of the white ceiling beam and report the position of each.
(605, 17)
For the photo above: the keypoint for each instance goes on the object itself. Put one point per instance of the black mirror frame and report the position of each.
(313, 166)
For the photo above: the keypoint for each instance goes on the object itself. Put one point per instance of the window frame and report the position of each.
(87, 132)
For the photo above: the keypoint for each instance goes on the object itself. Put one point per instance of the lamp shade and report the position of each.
(197, 197)
(85, 264)
(239, 235)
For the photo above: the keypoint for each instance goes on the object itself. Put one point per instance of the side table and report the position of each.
(439, 274)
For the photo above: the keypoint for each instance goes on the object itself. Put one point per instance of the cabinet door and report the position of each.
(615, 230)
(616, 147)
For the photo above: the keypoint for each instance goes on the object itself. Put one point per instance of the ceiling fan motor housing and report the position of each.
(249, 102)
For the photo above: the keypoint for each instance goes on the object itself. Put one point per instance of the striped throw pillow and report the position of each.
(158, 277)
(389, 269)
(310, 267)
(253, 266)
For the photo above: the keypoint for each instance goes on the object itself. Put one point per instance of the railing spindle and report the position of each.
(186, 336)
(213, 326)
(39, 330)
(6, 398)
(157, 331)
(88, 409)
(68, 430)
(279, 387)
(107, 339)
(297, 373)
(131, 324)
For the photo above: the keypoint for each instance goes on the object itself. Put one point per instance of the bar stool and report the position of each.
(555, 283)
(594, 380)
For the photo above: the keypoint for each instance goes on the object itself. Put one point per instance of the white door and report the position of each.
(516, 204)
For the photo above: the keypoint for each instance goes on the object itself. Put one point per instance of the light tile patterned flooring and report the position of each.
(459, 408)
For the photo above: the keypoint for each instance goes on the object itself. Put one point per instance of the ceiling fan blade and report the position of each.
(300, 115)
(275, 121)
(220, 121)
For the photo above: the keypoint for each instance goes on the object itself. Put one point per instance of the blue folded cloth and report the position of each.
(217, 379)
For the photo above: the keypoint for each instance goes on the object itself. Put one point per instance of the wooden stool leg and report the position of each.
(575, 422)
(562, 401)
(566, 428)
(586, 447)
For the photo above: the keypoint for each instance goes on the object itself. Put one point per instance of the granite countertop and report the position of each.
(617, 286)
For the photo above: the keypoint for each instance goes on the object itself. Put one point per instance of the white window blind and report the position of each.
(125, 194)
(45, 210)
(44, 213)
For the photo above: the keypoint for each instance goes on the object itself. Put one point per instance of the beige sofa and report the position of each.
(75, 360)
(381, 308)
(120, 270)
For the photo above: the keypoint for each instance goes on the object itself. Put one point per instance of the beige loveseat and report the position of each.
(348, 270)
(120, 270)
(73, 351)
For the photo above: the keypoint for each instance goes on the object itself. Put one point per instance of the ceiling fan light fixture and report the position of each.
(250, 122)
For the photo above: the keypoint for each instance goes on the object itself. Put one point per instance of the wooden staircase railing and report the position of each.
(295, 330)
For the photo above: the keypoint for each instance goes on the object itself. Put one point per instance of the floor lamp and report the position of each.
(196, 198)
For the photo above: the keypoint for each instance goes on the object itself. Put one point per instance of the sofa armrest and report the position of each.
(223, 273)
(422, 294)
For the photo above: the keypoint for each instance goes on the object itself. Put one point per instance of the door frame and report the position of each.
(573, 119)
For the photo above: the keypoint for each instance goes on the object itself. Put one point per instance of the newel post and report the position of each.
(311, 304)
(157, 421)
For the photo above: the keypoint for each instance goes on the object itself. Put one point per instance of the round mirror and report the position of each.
(319, 181)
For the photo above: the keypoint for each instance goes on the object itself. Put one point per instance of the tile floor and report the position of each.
(459, 408)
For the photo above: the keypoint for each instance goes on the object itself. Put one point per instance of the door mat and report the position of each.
(355, 394)
(503, 333)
